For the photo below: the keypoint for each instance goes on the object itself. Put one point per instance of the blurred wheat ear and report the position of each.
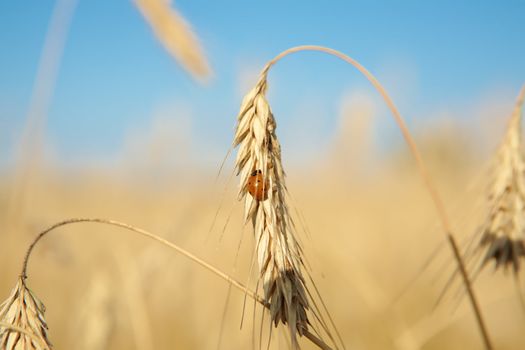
(503, 232)
(176, 35)
(25, 312)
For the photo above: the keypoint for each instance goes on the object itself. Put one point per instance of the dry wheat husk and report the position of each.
(25, 311)
(503, 233)
(278, 252)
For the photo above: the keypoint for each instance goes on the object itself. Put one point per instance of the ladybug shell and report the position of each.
(257, 187)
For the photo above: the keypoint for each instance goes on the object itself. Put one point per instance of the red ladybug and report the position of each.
(257, 187)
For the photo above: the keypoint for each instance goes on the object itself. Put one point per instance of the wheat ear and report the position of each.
(503, 233)
(276, 248)
(23, 312)
(261, 174)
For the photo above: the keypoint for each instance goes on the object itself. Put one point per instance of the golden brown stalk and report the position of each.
(262, 186)
(23, 310)
(176, 35)
(245, 164)
(503, 233)
(312, 337)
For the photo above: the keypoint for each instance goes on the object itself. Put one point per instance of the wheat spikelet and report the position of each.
(25, 311)
(176, 35)
(503, 233)
(262, 186)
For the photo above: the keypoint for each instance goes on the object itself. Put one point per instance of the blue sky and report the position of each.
(115, 77)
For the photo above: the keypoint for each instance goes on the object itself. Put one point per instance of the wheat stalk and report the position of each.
(503, 233)
(309, 335)
(176, 35)
(23, 311)
(277, 249)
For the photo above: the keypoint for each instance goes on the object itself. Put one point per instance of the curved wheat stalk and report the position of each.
(259, 161)
(23, 275)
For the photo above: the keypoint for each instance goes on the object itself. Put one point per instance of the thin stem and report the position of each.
(143, 233)
(314, 339)
(13, 328)
(436, 199)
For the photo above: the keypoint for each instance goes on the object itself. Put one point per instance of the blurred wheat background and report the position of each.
(367, 226)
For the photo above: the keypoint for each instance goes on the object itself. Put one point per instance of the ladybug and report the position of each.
(257, 187)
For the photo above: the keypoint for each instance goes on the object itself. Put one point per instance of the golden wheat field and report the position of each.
(387, 234)
(370, 230)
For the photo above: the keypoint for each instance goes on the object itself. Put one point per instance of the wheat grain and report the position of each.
(503, 233)
(25, 311)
